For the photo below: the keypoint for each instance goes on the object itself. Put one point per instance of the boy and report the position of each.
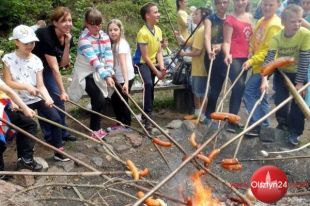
(264, 30)
(24, 145)
(149, 55)
(293, 41)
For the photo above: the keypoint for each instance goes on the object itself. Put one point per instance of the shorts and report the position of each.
(199, 84)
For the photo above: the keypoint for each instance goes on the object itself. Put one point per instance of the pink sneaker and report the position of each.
(99, 134)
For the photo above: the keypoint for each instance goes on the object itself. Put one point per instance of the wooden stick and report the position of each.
(141, 125)
(17, 173)
(230, 88)
(274, 158)
(248, 121)
(263, 118)
(299, 100)
(48, 145)
(205, 98)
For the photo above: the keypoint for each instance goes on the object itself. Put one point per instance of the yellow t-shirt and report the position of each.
(291, 46)
(182, 17)
(259, 44)
(145, 36)
(197, 42)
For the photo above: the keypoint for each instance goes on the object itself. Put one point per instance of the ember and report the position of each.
(202, 195)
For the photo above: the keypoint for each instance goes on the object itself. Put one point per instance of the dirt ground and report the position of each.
(139, 149)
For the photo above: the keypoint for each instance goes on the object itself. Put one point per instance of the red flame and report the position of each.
(202, 195)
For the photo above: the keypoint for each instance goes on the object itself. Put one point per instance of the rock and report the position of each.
(8, 188)
(66, 166)
(41, 161)
(134, 138)
(189, 125)
(57, 169)
(97, 161)
(24, 180)
(99, 148)
(109, 158)
(175, 124)
(122, 148)
(155, 131)
(114, 139)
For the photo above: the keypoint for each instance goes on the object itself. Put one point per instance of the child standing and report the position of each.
(149, 55)
(237, 33)
(198, 73)
(23, 72)
(306, 6)
(213, 43)
(93, 68)
(124, 71)
(263, 32)
(293, 41)
(24, 145)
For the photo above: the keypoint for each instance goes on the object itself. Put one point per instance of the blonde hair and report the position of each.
(115, 45)
(290, 10)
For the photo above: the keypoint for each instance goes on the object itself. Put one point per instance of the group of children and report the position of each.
(221, 38)
(231, 41)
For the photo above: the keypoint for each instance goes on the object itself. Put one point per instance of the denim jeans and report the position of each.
(290, 115)
(54, 137)
(218, 75)
(52, 88)
(251, 94)
(148, 79)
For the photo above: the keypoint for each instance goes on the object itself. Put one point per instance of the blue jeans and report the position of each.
(148, 79)
(53, 90)
(290, 115)
(54, 137)
(251, 94)
(218, 75)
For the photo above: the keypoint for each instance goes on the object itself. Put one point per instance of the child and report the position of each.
(24, 145)
(237, 32)
(182, 20)
(263, 32)
(124, 71)
(23, 72)
(306, 6)
(166, 52)
(149, 55)
(94, 63)
(198, 73)
(213, 43)
(293, 41)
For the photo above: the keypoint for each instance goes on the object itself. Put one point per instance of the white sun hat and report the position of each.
(24, 34)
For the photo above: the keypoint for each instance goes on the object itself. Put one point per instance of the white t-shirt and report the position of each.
(123, 48)
(24, 71)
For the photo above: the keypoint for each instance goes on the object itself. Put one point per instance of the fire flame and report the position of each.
(202, 195)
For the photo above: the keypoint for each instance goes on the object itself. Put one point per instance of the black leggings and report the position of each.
(122, 113)
(97, 100)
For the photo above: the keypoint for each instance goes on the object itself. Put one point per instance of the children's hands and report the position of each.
(32, 90)
(228, 59)
(264, 85)
(49, 102)
(125, 88)
(298, 86)
(216, 48)
(110, 81)
(246, 65)
(182, 53)
(29, 112)
(64, 96)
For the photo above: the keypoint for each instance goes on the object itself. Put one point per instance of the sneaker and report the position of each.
(293, 139)
(255, 132)
(30, 164)
(61, 158)
(99, 134)
(116, 127)
(69, 138)
(234, 128)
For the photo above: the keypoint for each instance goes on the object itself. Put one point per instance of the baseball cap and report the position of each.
(24, 34)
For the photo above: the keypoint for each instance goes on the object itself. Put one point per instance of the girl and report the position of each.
(182, 20)
(199, 73)
(23, 72)
(123, 68)
(53, 50)
(93, 68)
(237, 31)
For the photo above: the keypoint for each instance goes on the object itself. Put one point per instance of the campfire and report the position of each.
(202, 194)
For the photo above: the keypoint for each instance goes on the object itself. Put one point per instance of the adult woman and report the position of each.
(94, 63)
(237, 31)
(53, 49)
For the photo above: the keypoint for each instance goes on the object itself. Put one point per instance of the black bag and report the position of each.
(182, 73)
